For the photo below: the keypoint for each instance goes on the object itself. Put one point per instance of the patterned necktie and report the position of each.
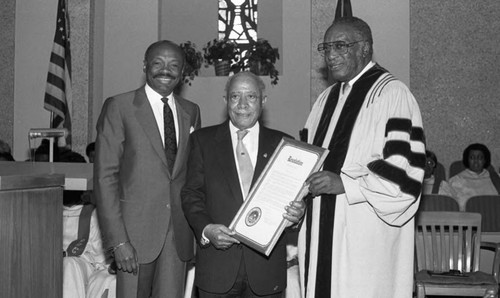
(244, 163)
(170, 138)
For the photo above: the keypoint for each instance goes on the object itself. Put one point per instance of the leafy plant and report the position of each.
(194, 60)
(221, 49)
(261, 60)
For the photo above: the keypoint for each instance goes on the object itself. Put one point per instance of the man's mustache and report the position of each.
(164, 75)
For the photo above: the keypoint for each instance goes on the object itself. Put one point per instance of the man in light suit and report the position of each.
(137, 183)
(215, 190)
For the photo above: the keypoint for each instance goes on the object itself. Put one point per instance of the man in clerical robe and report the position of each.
(357, 238)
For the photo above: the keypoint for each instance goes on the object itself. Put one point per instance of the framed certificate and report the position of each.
(259, 222)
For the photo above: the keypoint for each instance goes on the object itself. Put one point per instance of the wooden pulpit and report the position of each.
(31, 203)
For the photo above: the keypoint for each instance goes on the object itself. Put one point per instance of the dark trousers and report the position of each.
(241, 288)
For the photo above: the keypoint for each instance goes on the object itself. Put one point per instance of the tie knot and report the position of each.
(345, 88)
(241, 134)
(165, 100)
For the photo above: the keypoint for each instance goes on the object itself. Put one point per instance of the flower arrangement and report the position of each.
(224, 54)
(222, 49)
(193, 62)
(261, 59)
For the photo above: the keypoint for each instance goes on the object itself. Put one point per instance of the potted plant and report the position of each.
(261, 60)
(223, 54)
(193, 62)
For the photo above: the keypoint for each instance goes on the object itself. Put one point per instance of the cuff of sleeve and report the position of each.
(204, 241)
(352, 190)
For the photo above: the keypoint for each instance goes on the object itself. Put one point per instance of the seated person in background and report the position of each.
(85, 265)
(429, 186)
(475, 180)
(42, 152)
(4, 147)
(5, 156)
(5, 152)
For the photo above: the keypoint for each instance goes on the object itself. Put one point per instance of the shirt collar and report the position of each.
(251, 131)
(367, 67)
(156, 97)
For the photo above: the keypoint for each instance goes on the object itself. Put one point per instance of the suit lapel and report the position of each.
(266, 150)
(184, 122)
(147, 120)
(225, 157)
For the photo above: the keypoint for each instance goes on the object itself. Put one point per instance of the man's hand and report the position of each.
(220, 236)
(294, 211)
(325, 182)
(126, 258)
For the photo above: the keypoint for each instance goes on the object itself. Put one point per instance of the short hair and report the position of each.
(478, 147)
(90, 148)
(360, 27)
(260, 83)
(159, 43)
(431, 155)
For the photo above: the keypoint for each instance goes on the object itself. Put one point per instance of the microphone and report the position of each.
(47, 133)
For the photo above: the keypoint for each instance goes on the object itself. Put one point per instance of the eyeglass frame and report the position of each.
(324, 51)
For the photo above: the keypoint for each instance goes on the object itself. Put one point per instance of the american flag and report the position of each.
(58, 90)
(343, 9)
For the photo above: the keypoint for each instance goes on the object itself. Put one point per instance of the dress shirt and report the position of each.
(340, 105)
(251, 142)
(156, 103)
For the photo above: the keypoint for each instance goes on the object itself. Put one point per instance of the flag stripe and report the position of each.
(56, 81)
(56, 106)
(57, 60)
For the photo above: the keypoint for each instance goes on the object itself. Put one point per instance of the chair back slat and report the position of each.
(447, 240)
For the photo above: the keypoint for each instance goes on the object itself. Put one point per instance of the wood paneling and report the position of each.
(31, 240)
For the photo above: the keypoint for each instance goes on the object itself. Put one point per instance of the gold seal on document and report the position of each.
(253, 216)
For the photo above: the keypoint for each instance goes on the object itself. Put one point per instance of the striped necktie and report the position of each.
(170, 138)
(244, 162)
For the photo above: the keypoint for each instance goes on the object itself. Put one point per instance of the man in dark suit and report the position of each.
(139, 169)
(215, 189)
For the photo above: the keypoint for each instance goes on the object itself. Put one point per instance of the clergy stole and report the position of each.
(338, 150)
(77, 247)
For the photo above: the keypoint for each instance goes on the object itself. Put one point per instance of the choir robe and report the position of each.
(373, 230)
(467, 184)
(90, 267)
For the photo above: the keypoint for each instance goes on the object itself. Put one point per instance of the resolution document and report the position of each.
(259, 222)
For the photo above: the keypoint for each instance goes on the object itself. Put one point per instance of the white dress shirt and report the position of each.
(156, 103)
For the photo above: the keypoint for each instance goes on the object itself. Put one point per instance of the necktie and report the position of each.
(244, 163)
(346, 88)
(170, 138)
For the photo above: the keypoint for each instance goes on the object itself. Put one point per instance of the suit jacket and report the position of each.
(212, 194)
(137, 197)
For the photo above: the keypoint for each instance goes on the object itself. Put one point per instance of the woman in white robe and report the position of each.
(475, 180)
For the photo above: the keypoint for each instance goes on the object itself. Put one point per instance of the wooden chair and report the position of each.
(447, 256)
(435, 202)
(489, 208)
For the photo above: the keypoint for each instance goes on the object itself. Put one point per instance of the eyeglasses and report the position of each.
(430, 162)
(339, 47)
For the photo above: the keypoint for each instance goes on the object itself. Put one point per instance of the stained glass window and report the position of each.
(238, 21)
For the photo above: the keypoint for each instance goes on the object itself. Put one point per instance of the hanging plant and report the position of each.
(194, 60)
(261, 60)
